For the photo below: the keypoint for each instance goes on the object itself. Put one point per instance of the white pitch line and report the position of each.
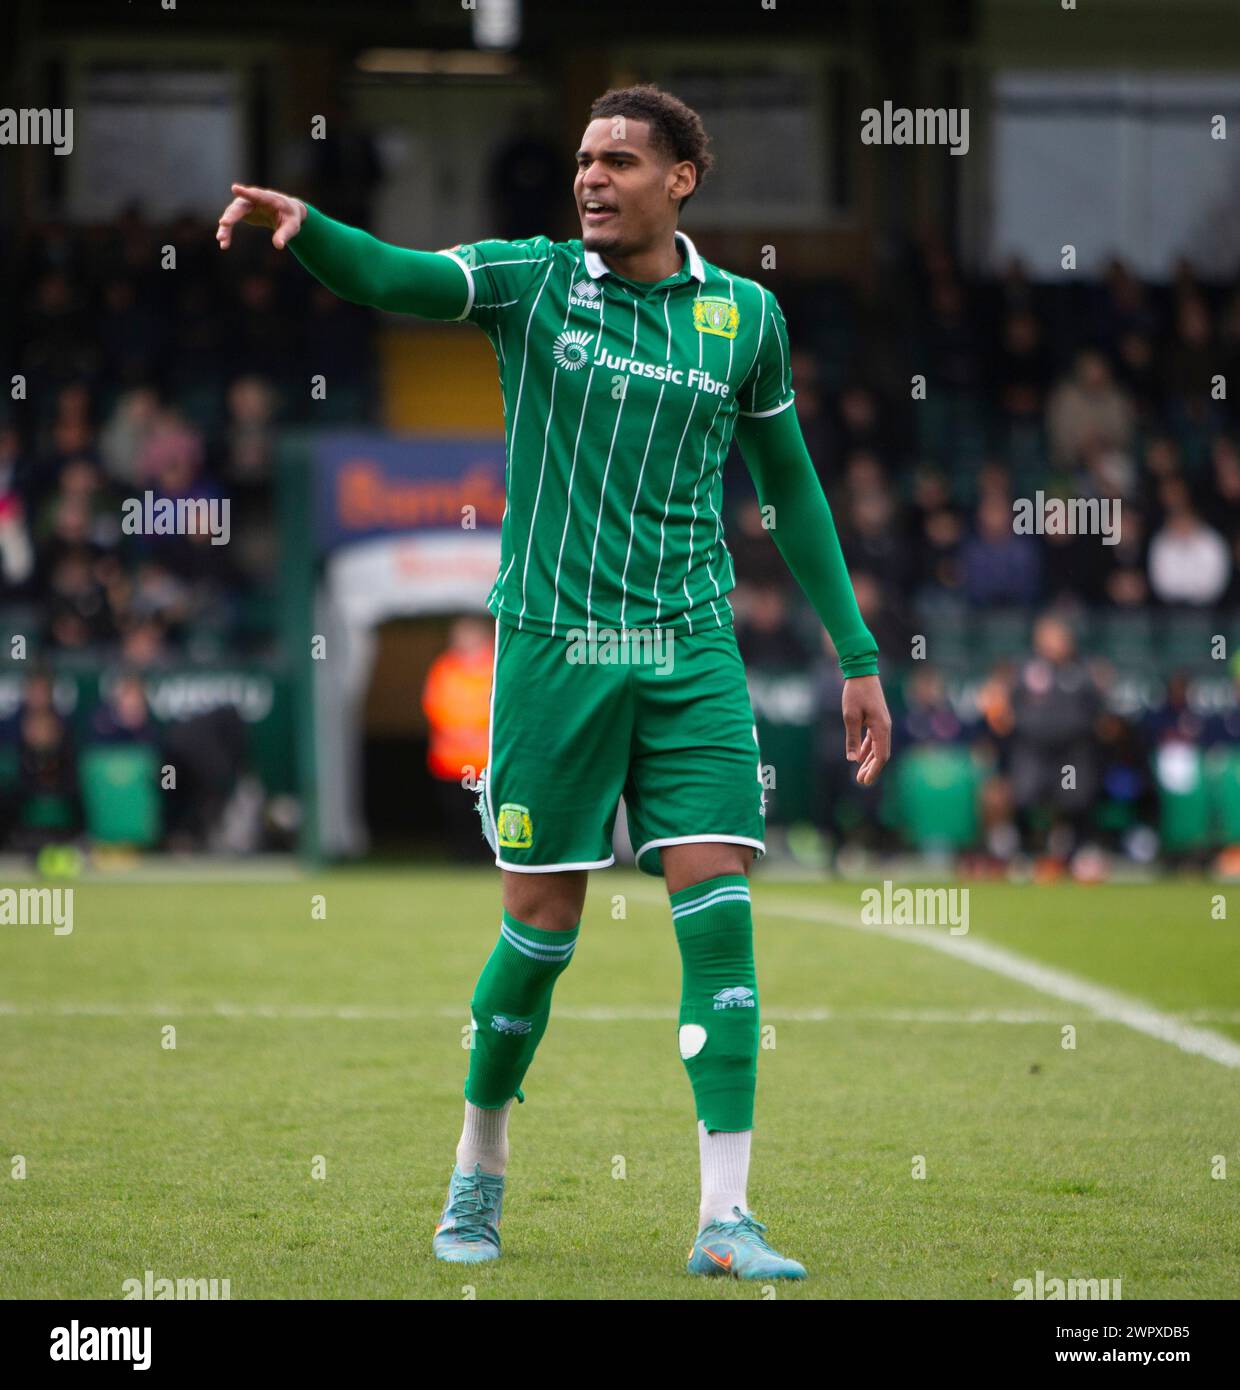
(584, 1013)
(587, 1013)
(1106, 1003)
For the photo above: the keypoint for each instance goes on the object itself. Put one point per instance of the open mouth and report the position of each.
(596, 213)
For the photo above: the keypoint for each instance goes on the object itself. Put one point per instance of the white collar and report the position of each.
(597, 267)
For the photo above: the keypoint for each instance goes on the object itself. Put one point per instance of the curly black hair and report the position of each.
(675, 129)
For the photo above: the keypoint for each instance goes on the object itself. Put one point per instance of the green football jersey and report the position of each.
(619, 404)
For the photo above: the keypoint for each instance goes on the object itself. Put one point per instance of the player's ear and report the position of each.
(682, 180)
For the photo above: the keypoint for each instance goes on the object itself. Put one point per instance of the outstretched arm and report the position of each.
(804, 530)
(352, 263)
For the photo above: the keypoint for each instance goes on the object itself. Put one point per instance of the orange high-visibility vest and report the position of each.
(457, 703)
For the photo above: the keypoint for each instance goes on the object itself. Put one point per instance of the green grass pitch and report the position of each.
(342, 1038)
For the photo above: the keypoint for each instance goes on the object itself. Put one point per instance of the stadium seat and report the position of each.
(1005, 635)
(202, 403)
(970, 444)
(936, 798)
(1184, 640)
(1127, 639)
(120, 794)
(47, 813)
(1183, 800)
(1024, 447)
(1223, 784)
(9, 767)
(826, 322)
(933, 425)
(947, 637)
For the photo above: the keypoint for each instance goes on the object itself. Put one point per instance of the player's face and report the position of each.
(624, 188)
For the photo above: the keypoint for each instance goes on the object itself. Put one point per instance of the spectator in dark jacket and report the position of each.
(999, 568)
(1055, 707)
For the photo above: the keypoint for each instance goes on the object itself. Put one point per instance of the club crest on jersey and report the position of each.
(516, 830)
(587, 294)
(718, 316)
(571, 349)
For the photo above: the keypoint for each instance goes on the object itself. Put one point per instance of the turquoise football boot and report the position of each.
(736, 1249)
(468, 1230)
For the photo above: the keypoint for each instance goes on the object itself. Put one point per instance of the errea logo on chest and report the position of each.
(586, 295)
(715, 315)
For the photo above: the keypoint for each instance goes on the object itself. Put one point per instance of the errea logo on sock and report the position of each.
(735, 997)
(501, 1024)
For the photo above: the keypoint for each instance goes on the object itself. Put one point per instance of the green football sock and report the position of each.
(719, 999)
(511, 1006)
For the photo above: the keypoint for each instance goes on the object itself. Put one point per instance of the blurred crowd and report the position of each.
(147, 363)
(170, 380)
(930, 407)
(930, 412)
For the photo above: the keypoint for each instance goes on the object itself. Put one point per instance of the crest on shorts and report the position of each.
(718, 316)
(516, 830)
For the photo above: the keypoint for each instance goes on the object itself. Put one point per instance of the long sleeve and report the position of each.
(364, 270)
(804, 530)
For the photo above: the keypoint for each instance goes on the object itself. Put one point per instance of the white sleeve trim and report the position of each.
(761, 414)
(469, 280)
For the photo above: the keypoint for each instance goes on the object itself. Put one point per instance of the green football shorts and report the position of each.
(662, 718)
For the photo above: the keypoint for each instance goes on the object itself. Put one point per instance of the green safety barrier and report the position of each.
(1183, 799)
(120, 794)
(936, 797)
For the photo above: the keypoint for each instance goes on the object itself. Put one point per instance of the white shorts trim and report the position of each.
(553, 868)
(700, 840)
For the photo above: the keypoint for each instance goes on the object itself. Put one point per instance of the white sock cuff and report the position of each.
(725, 1172)
(484, 1138)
